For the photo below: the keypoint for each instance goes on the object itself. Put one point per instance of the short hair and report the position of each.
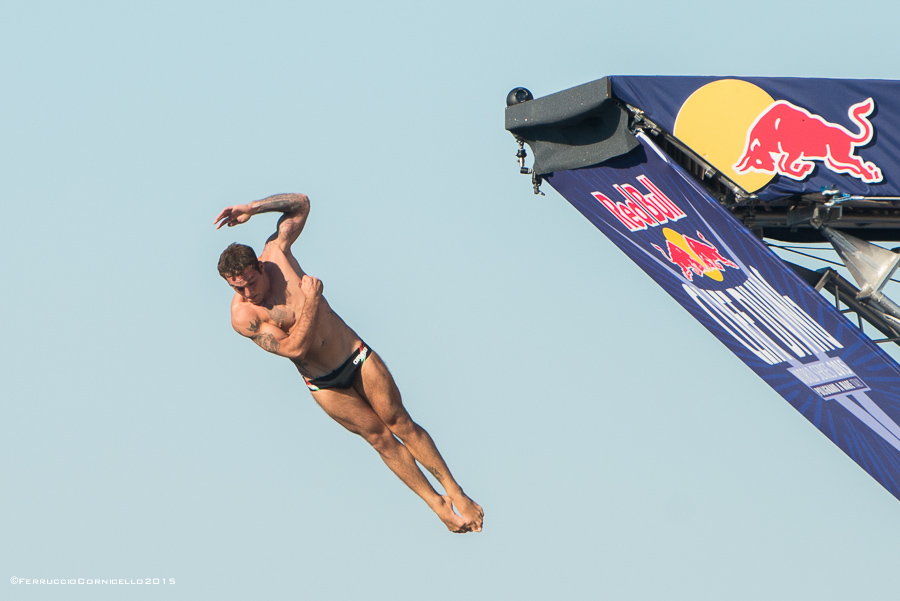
(235, 259)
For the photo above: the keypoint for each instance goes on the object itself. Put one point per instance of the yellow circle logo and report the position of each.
(714, 121)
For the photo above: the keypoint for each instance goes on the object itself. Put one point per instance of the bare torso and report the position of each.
(331, 340)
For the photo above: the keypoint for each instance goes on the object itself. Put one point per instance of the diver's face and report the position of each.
(252, 285)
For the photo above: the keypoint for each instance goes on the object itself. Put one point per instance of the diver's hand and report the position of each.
(311, 287)
(235, 215)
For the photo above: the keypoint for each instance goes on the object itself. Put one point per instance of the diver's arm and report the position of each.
(273, 339)
(300, 338)
(294, 206)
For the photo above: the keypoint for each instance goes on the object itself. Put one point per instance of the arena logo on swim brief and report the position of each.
(363, 352)
(641, 210)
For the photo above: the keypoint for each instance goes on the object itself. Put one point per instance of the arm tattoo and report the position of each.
(285, 203)
(267, 342)
(254, 325)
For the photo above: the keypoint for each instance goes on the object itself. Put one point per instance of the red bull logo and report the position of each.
(751, 137)
(786, 139)
(694, 257)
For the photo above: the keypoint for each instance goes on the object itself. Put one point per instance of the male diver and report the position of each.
(282, 310)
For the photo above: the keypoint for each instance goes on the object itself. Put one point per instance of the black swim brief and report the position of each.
(342, 377)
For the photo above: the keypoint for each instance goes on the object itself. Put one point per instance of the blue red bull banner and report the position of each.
(728, 280)
(776, 137)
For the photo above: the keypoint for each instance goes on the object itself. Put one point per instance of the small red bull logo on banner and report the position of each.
(694, 257)
(786, 139)
(640, 211)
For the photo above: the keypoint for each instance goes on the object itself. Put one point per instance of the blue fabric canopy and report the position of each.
(804, 132)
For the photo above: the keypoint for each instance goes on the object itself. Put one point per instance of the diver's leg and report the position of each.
(378, 387)
(347, 408)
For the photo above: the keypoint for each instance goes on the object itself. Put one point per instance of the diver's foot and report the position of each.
(452, 521)
(470, 511)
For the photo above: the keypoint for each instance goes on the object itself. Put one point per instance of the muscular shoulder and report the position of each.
(245, 317)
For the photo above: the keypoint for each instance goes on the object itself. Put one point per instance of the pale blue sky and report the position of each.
(619, 451)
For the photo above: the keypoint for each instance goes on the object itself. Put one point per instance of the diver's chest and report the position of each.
(283, 316)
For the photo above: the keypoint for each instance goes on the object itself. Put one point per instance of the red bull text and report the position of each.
(640, 211)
